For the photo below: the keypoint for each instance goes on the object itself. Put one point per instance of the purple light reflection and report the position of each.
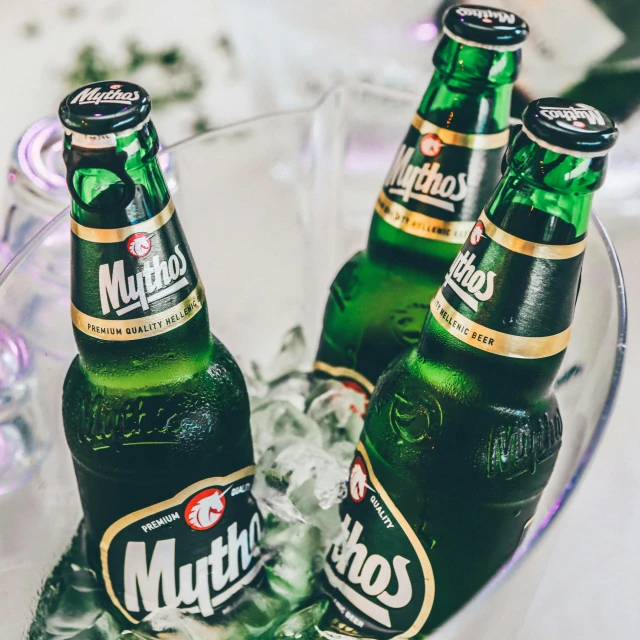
(425, 31)
(365, 154)
(54, 150)
(29, 154)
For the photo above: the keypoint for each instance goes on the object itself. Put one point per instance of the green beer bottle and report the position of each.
(442, 175)
(155, 409)
(463, 431)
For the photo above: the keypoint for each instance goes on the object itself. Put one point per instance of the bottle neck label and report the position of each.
(379, 576)
(509, 296)
(193, 551)
(439, 181)
(133, 282)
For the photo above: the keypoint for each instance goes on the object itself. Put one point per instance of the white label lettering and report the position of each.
(424, 183)
(469, 283)
(153, 282)
(373, 572)
(95, 96)
(235, 549)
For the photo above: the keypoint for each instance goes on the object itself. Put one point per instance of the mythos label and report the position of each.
(379, 576)
(137, 282)
(510, 296)
(578, 116)
(193, 551)
(487, 15)
(113, 95)
(439, 180)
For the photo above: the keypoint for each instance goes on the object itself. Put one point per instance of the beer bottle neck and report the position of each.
(125, 173)
(431, 197)
(138, 307)
(554, 187)
(471, 88)
(507, 302)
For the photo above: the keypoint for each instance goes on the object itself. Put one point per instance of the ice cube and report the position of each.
(270, 489)
(302, 625)
(337, 409)
(297, 553)
(305, 501)
(104, 628)
(294, 388)
(342, 453)
(251, 616)
(257, 386)
(301, 483)
(256, 613)
(172, 624)
(278, 424)
(289, 358)
(71, 604)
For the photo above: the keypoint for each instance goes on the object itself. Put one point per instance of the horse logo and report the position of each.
(205, 509)
(477, 233)
(139, 245)
(430, 145)
(358, 480)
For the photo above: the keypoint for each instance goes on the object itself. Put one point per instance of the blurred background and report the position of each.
(208, 63)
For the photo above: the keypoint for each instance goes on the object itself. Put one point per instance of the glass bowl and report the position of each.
(272, 208)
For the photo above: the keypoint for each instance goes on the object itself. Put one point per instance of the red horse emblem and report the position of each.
(477, 233)
(205, 509)
(358, 480)
(139, 245)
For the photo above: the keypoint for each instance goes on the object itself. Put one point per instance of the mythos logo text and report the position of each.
(372, 572)
(114, 95)
(574, 115)
(156, 279)
(377, 573)
(470, 284)
(234, 547)
(193, 551)
(487, 14)
(424, 183)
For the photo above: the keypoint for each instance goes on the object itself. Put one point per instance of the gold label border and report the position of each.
(417, 224)
(344, 372)
(91, 234)
(130, 518)
(527, 248)
(425, 563)
(458, 139)
(82, 321)
(496, 342)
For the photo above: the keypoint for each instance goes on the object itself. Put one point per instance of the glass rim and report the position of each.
(524, 549)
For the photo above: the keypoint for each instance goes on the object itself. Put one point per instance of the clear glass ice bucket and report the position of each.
(272, 208)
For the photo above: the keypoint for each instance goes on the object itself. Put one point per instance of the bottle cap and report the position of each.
(485, 27)
(569, 127)
(100, 108)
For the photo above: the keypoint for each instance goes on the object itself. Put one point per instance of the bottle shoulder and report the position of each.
(216, 370)
(197, 417)
(370, 276)
(432, 421)
(374, 311)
